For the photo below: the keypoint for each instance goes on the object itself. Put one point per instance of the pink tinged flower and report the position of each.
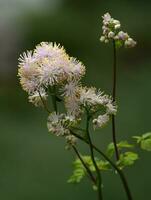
(106, 18)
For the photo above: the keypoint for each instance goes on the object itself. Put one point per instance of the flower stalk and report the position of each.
(119, 171)
(99, 178)
(114, 99)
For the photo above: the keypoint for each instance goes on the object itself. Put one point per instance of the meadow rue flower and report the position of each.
(28, 72)
(101, 121)
(35, 98)
(71, 140)
(111, 31)
(70, 89)
(49, 50)
(90, 96)
(72, 105)
(48, 65)
(59, 124)
(129, 43)
(76, 68)
(111, 108)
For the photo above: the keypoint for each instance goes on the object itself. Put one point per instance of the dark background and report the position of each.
(34, 165)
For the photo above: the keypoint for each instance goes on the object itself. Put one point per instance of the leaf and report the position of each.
(146, 135)
(144, 141)
(124, 144)
(120, 145)
(103, 165)
(110, 150)
(79, 171)
(127, 159)
(146, 144)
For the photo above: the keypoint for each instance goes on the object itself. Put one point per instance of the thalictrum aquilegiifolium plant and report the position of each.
(48, 72)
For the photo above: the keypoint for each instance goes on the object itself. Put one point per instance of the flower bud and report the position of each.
(111, 34)
(102, 39)
(117, 26)
(130, 43)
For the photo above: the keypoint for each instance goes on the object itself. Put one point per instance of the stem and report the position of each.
(84, 164)
(99, 180)
(120, 172)
(75, 149)
(54, 100)
(44, 103)
(114, 98)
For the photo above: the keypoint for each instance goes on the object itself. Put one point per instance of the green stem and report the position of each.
(44, 103)
(84, 164)
(99, 178)
(114, 98)
(54, 99)
(120, 172)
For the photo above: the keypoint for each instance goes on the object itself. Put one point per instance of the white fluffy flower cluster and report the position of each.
(46, 66)
(49, 66)
(97, 101)
(111, 31)
(84, 98)
(60, 124)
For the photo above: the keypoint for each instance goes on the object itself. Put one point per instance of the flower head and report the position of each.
(28, 72)
(101, 121)
(38, 97)
(59, 124)
(111, 31)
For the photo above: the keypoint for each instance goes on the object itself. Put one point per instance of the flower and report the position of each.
(48, 65)
(130, 43)
(89, 96)
(70, 89)
(111, 108)
(92, 97)
(101, 121)
(71, 140)
(51, 73)
(111, 31)
(28, 72)
(38, 97)
(76, 68)
(49, 50)
(72, 105)
(59, 124)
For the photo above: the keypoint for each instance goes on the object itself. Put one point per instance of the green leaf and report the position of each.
(110, 150)
(79, 171)
(146, 144)
(146, 135)
(127, 159)
(144, 141)
(103, 165)
(123, 144)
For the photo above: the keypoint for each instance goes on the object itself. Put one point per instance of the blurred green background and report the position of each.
(34, 164)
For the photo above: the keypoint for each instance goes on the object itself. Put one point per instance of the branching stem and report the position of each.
(119, 171)
(99, 178)
(44, 103)
(85, 166)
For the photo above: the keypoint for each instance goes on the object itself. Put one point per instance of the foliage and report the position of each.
(144, 141)
(126, 159)
(79, 171)
(123, 144)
